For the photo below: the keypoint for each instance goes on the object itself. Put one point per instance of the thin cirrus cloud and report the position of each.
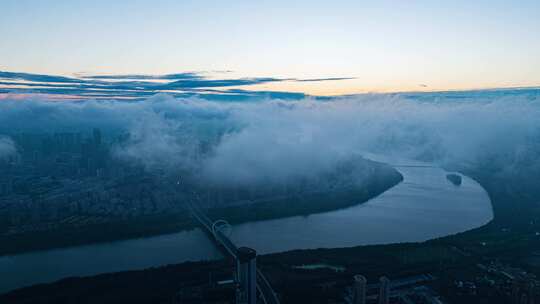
(178, 76)
(133, 86)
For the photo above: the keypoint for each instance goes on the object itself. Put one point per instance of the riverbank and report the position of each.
(505, 239)
(383, 177)
(424, 206)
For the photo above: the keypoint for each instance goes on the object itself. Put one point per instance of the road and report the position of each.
(266, 292)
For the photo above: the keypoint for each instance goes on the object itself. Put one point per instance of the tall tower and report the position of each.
(246, 276)
(359, 289)
(384, 291)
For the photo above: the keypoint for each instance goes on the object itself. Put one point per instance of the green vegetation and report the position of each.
(95, 233)
(383, 178)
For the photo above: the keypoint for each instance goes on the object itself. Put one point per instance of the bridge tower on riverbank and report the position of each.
(246, 276)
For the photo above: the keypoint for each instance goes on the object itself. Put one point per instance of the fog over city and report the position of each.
(273, 139)
(7, 147)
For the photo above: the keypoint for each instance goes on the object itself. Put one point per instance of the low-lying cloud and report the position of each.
(7, 147)
(273, 139)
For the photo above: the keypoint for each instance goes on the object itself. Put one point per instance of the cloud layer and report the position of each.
(137, 86)
(274, 140)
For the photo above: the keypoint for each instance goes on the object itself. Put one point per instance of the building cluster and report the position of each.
(525, 290)
(72, 179)
(407, 290)
(516, 284)
(244, 285)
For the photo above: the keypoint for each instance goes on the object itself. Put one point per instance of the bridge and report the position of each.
(242, 256)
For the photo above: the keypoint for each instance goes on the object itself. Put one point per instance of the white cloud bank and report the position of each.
(274, 139)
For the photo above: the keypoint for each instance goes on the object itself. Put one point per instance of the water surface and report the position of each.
(424, 206)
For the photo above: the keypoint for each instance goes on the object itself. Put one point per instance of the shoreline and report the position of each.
(370, 260)
(384, 178)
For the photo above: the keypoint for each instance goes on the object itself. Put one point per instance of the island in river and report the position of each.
(454, 179)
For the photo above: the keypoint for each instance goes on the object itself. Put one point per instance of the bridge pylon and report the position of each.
(246, 276)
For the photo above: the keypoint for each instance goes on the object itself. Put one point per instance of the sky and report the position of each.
(381, 46)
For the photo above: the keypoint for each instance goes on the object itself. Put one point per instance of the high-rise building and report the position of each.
(525, 291)
(359, 289)
(384, 291)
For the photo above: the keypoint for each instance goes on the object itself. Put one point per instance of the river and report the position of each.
(424, 206)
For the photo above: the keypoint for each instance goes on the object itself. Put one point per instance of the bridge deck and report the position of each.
(263, 286)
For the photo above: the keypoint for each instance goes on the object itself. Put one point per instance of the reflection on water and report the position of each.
(46, 266)
(321, 266)
(425, 205)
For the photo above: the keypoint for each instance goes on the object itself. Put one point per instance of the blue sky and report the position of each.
(383, 46)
